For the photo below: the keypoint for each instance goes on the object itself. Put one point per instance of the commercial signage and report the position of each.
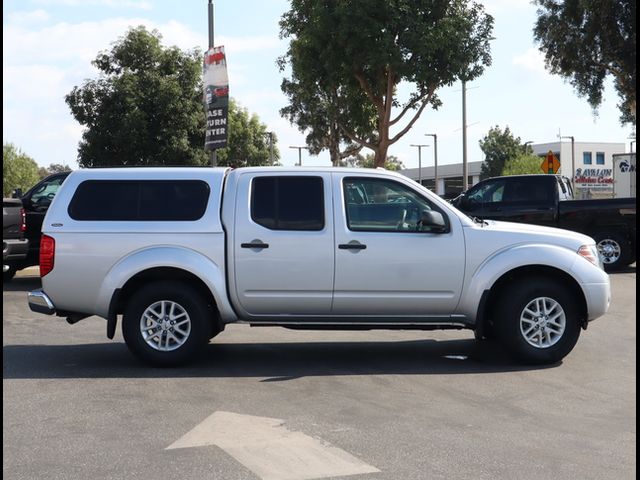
(216, 98)
(594, 178)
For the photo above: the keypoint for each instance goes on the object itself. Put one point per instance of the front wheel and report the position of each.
(166, 324)
(538, 321)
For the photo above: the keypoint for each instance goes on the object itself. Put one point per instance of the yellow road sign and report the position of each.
(550, 164)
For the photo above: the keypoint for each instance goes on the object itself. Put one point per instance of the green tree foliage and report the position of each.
(498, 146)
(145, 108)
(586, 41)
(248, 140)
(368, 161)
(347, 58)
(18, 170)
(522, 164)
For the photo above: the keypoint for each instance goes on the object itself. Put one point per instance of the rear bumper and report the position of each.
(39, 302)
(14, 249)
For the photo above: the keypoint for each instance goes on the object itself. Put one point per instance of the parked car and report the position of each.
(182, 252)
(34, 203)
(548, 200)
(14, 246)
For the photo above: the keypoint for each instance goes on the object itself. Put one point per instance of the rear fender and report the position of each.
(211, 273)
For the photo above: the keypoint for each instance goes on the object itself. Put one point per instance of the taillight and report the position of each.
(47, 254)
(23, 220)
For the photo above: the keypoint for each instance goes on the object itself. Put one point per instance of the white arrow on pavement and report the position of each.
(271, 451)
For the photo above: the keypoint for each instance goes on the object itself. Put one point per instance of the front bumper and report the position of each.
(39, 302)
(598, 296)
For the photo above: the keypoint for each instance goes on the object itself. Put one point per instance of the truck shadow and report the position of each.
(22, 284)
(268, 362)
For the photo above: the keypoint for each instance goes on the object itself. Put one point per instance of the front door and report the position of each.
(387, 264)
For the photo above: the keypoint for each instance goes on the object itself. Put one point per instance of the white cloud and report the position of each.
(532, 60)
(22, 17)
(500, 6)
(137, 4)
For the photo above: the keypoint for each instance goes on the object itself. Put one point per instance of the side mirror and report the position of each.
(17, 193)
(433, 221)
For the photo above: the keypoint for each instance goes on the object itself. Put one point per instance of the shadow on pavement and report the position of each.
(273, 361)
(22, 284)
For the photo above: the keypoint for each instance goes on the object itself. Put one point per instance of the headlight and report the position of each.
(590, 252)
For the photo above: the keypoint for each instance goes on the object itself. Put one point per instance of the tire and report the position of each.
(165, 343)
(615, 250)
(522, 327)
(9, 274)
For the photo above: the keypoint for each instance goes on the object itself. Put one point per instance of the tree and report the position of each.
(248, 140)
(52, 168)
(586, 41)
(522, 164)
(18, 170)
(145, 108)
(368, 161)
(498, 147)
(348, 57)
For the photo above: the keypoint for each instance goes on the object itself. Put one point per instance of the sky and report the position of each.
(48, 46)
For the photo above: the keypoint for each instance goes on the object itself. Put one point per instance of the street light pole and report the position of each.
(527, 143)
(299, 164)
(420, 160)
(465, 176)
(573, 161)
(435, 159)
(270, 136)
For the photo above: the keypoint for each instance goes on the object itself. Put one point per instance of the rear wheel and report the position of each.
(615, 250)
(538, 321)
(166, 324)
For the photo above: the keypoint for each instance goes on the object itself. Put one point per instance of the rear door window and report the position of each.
(288, 203)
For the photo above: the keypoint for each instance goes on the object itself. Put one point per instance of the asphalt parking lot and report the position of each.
(272, 403)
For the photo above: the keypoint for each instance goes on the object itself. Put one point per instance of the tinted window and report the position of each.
(139, 200)
(288, 203)
(529, 190)
(586, 158)
(377, 205)
(599, 158)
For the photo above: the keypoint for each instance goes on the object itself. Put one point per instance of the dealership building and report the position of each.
(590, 162)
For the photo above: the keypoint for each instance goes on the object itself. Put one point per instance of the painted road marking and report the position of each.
(271, 451)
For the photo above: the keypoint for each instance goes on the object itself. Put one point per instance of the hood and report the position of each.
(524, 232)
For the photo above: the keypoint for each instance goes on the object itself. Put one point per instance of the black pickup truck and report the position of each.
(547, 200)
(21, 244)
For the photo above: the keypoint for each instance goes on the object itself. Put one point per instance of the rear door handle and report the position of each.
(255, 244)
(352, 246)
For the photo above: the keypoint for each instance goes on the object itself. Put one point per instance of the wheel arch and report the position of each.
(491, 296)
(121, 296)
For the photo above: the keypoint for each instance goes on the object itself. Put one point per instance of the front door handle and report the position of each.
(352, 246)
(255, 244)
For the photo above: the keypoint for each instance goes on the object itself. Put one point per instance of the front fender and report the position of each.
(211, 272)
(513, 257)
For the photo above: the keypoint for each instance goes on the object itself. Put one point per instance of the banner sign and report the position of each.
(216, 98)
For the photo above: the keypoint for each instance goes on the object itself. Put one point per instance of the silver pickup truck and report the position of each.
(181, 252)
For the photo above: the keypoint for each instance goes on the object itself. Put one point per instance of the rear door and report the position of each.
(386, 264)
(283, 244)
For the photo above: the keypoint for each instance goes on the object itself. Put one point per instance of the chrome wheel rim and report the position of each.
(542, 322)
(165, 325)
(609, 250)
